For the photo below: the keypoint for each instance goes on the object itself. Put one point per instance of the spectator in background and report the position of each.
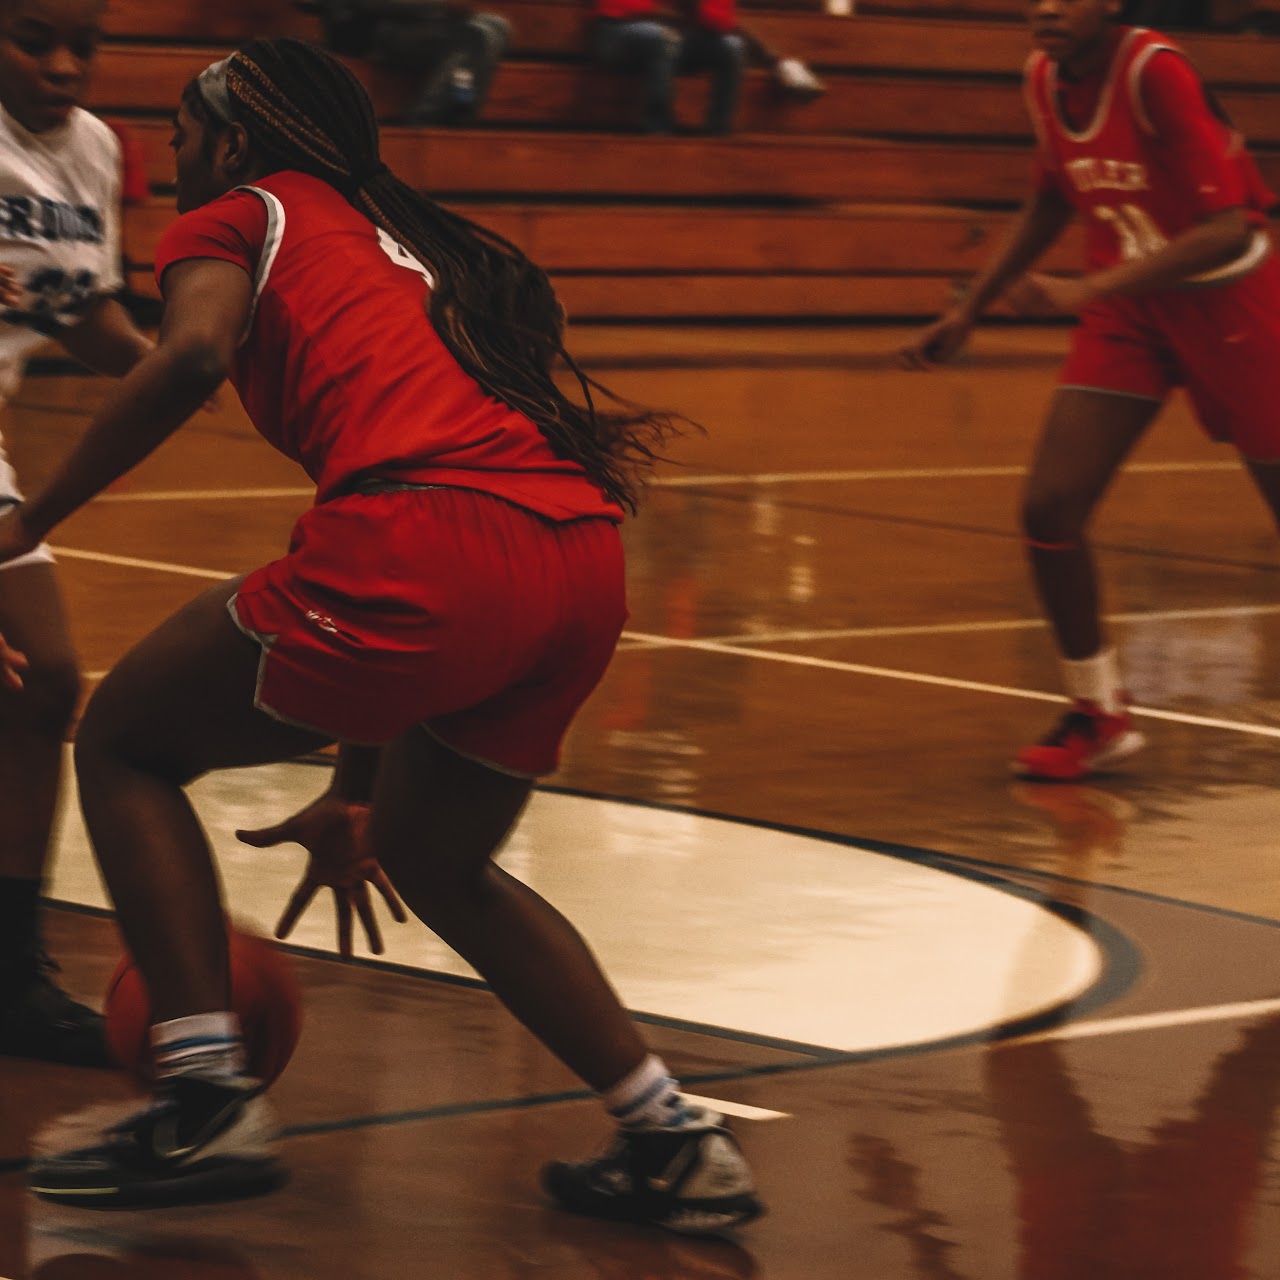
(698, 35)
(791, 75)
(454, 52)
(690, 35)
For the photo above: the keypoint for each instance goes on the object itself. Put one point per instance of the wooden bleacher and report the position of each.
(873, 201)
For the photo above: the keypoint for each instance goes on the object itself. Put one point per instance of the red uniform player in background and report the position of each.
(1182, 289)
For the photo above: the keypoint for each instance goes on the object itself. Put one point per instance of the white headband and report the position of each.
(212, 83)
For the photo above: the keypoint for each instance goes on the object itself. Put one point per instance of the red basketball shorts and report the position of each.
(446, 608)
(1220, 342)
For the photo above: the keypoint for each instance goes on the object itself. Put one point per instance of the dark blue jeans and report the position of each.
(469, 42)
(659, 52)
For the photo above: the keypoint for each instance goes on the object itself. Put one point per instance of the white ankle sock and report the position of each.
(1096, 679)
(207, 1044)
(648, 1097)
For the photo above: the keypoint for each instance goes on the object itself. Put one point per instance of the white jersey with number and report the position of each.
(59, 233)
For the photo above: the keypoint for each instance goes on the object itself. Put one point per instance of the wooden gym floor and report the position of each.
(972, 1028)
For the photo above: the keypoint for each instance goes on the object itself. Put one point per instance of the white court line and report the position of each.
(769, 655)
(131, 562)
(203, 495)
(735, 1108)
(1154, 1021)
(948, 682)
(914, 473)
(1000, 624)
(678, 482)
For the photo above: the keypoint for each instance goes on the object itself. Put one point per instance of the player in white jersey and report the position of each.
(60, 239)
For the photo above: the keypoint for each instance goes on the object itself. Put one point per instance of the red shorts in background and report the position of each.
(1220, 342)
(451, 609)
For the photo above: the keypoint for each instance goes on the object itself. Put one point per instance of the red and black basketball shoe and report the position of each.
(1086, 740)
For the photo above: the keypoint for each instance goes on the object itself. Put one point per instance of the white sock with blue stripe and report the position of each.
(647, 1098)
(207, 1044)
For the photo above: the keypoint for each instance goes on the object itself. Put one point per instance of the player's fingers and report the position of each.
(389, 896)
(264, 837)
(343, 904)
(12, 665)
(296, 905)
(367, 918)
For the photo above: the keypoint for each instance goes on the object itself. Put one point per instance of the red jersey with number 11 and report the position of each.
(1151, 159)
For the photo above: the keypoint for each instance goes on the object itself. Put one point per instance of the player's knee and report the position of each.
(1052, 519)
(107, 742)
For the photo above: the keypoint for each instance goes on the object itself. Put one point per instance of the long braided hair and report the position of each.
(495, 311)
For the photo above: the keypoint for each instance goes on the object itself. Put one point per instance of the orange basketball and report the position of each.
(264, 994)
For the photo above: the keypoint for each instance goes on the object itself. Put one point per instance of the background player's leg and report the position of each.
(1086, 437)
(36, 1019)
(1266, 475)
(437, 821)
(34, 719)
(177, 705)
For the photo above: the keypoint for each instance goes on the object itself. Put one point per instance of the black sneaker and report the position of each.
(39, 1020)
(203, 1139)
(693, 1180)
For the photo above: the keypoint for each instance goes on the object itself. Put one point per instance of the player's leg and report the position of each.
(437, 821)
(36, 1018)
(1085, 439)
(725, 56)
(1266, 478)
(179, 704)
(653, 49)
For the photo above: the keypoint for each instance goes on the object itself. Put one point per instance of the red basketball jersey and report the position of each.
(1136, 189)
(342, 369)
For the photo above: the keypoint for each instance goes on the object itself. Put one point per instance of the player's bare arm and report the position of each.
(1220, 238)
(106, 340)
(1043, 218)
(207, 308)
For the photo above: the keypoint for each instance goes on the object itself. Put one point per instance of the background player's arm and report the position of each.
(207, 308)
(1042, 220)
(106, 340)
(1193, 144)
(1221, 238)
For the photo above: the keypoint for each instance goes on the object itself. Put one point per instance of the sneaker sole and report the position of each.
(212, 1183)
(1122, 748)
(691, 1221)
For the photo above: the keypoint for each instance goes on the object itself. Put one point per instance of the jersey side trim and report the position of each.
(274, 238)
(1136, 68)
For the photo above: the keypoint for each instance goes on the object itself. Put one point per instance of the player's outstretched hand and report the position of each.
(936, 344)
(1040, 295)
(335, 834)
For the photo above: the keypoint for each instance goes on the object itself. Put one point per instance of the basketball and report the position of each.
(264, 995)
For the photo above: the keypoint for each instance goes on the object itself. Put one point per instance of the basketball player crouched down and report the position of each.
(451, 599)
